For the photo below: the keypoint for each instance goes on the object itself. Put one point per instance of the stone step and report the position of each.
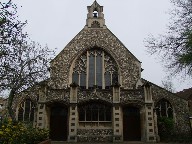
(58, 142)
(128, 142)
(63, 142)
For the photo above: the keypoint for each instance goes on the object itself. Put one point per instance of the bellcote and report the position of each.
(95, 16)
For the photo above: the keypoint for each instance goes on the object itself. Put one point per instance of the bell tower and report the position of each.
(95, 16)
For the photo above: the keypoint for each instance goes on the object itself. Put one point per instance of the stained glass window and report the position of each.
(99, 71)
(91, 71)
(98, 66)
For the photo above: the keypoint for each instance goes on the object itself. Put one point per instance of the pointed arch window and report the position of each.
(26, 111)
(95, 67)
(164, 109)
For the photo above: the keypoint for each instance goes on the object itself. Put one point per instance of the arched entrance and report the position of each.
(58, 122)
(131, 124)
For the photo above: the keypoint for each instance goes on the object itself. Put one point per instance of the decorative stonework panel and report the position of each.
(58, 95)
(95, 24)
(81, 64)
(87, 95)
(87, 39)
(94, 135)
(134, 97)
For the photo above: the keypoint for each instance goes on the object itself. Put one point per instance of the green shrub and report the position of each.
(21, 133)
(167, 131)
(165, 128)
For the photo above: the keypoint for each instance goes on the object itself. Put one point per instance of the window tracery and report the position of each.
(95, 67)
(164, 109)
(26, 111)
(94, 112)
(95, 24)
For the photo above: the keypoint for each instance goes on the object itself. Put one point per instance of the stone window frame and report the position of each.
(82, 110)
(24, 114)
(164, 105)
(109, 68)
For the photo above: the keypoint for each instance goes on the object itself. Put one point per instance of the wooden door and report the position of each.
(58, 123)
(131, 124)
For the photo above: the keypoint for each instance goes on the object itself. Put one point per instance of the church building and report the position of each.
(95, 92)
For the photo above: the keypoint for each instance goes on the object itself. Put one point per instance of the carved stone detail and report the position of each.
(87, 95)
(57, 95)
(95, 24)
(132, 97)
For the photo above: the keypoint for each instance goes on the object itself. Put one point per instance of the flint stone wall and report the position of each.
(31, 93)
(94, 135)
(58, 95)
(132, 97)
(180, 108)
(86, 39)
(102, 95)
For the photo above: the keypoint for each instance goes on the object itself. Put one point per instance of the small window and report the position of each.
(95, 14)
(94, 112)
(164, 109)
(26, 111)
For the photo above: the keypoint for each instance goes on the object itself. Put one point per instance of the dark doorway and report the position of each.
(58, 123)
(131, 124)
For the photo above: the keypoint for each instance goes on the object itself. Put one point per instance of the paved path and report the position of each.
(97, 143)
(111, 143)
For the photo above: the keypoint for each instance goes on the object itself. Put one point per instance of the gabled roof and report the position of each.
(186, 93)
(152, 84)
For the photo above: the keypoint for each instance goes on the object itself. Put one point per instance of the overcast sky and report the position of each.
(56, 22)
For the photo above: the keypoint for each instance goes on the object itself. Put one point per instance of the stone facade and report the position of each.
(96, 103)
(90, 38)
(95, 135)
(180, 107)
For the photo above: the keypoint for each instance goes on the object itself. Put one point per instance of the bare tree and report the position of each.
(168, 85)
(175, 46)
(22, 62)
(10, 26)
